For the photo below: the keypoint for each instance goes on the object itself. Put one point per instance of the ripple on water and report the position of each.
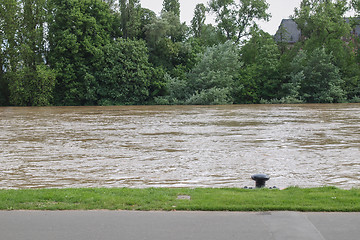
(180, 146)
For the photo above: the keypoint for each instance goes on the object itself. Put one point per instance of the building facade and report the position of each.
(290, 34)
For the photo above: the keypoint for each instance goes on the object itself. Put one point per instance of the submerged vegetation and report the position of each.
(105, 52)
(200, 199)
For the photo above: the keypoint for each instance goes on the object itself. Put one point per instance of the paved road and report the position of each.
(129, 225)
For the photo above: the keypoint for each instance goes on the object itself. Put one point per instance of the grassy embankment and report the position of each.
(202, 199)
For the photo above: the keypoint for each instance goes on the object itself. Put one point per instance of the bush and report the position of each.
(30, 87)
(126, 76)
(212, 96)
(315, 78)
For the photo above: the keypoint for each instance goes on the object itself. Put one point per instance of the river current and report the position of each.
(180, 146)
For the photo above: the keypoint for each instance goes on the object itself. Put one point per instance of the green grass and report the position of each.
(324, 199)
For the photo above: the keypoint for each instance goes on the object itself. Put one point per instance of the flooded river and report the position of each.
(180, 146)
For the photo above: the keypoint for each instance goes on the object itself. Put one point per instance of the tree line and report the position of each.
(107, 52)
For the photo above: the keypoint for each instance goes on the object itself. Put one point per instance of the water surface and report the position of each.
(180, 146)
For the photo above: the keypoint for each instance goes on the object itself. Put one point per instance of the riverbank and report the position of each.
(325, 199)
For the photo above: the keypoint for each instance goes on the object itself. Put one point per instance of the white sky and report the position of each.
(279, 9)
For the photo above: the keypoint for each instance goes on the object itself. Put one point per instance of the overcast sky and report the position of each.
(279, 9)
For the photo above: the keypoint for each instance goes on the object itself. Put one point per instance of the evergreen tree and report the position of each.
(33, 33)
(9, 57)
(198, 21)
(10, 31)
(130, 16)
(29, 81)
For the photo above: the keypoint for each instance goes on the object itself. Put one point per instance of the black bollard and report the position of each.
(260, 180)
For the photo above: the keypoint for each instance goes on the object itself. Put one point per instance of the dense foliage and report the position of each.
(107, 52)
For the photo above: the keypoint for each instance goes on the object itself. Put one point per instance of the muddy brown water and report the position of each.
(180, 146)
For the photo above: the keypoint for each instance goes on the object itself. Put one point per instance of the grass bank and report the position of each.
(201, 199)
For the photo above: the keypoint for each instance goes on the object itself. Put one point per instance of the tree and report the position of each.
(237, 20)
(198, 21)
(146, 18)
(78, 29)
(353, 83)
(211, 36)
(32, 45)
(3, 84)
(9, 45)
(322, 23)
(172, 6)
(355, 23)
(2, 40)
(26, 80)
(126, 77)
(113, 4)
(213, 77)
(315, 79)
(10, 27)
(356, 5)
(130, 16)
(32, 87)
(209, 82)
(165, 36)
(260, 77)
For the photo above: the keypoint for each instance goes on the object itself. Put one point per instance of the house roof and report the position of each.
(356, 29)
(288, 32)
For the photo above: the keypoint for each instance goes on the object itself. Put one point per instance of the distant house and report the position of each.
(356, 29)
(289, 32)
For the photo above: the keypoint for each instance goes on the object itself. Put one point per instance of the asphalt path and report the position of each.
(129, 225)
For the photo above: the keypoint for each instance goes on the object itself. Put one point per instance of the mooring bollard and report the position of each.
(260, 179)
